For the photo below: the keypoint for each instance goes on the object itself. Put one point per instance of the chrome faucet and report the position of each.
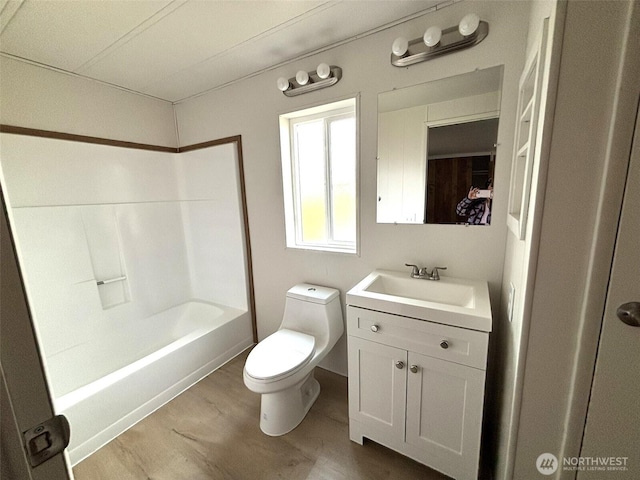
(421, 272)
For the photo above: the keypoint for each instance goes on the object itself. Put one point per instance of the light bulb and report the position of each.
(432, 36)
(323, 71)
(400, 46)
(283, 84)
(302, 77)
(469, 24)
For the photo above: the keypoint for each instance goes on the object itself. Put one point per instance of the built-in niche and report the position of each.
(524, 149)
(104, 245)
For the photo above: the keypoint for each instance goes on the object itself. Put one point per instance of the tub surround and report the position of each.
(168, 230)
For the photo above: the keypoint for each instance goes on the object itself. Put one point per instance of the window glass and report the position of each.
(319, 152)
(342, 148)
(312, 191)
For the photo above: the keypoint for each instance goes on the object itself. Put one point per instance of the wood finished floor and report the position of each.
(211, 431)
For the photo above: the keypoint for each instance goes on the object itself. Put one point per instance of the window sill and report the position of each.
(327, 249)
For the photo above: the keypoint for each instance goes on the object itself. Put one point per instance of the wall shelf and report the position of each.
(525, 141)
(524, 149)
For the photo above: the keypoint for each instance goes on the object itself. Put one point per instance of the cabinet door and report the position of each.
(377, 388)
(444, 414)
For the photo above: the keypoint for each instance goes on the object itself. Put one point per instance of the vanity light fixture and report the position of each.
(304, 82)
(469, 32)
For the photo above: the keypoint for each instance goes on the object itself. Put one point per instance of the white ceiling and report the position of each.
(175, 49)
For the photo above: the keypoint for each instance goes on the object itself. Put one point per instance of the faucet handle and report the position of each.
(435, 275)
(415, 270)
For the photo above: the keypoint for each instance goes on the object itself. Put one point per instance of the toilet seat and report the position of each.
(280, 354)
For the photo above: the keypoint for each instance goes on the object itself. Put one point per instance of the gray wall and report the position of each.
(251, 108)
(36, 97)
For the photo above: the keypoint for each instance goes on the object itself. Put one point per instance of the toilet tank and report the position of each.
(314, 310)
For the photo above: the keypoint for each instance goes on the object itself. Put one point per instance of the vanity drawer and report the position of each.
(459, 345)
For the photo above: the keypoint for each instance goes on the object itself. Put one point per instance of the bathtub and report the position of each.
(134, 376)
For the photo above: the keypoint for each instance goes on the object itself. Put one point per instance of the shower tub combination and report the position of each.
(136, 268)
(189, 342)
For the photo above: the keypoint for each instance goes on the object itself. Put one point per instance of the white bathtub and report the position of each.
(131, 376)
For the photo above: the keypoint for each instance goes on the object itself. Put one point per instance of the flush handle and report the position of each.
(399, 365)
(375, 328)
(629, 313)
(444, 344)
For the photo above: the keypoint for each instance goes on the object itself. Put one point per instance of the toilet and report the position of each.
(280, 367)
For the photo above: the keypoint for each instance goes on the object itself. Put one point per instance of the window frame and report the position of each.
(329, 113)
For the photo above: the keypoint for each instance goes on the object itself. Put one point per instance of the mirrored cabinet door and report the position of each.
(436, 143)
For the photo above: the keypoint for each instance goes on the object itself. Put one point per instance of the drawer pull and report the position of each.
(375, 328)
(413, 368)
(399, 365)
(444, 344)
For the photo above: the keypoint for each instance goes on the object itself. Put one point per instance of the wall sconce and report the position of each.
(469, 32)
(304, 82)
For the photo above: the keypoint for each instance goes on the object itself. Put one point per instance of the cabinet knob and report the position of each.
(444, 344)
(375, 328)
(413, 368)
(399, 365)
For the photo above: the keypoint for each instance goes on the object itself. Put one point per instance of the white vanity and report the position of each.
(417, 367)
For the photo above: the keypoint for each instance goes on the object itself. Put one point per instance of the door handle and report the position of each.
(629, 313)
(47, 439)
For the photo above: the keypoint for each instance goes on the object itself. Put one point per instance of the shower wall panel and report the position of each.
(167, 225)
(213, 224)
(65, 298)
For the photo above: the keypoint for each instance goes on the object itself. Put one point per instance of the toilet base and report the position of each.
(281, 412)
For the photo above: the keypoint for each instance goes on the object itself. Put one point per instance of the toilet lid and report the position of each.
(283, 352)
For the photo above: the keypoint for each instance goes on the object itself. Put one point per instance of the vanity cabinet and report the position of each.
(417, 387)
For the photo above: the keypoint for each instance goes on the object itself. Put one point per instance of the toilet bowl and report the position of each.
(281, 366)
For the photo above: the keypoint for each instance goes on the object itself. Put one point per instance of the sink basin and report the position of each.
(428, 290)
(451, 301)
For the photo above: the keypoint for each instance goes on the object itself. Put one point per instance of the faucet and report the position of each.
(421, 272)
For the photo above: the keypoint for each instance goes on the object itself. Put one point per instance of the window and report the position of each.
(318, 148)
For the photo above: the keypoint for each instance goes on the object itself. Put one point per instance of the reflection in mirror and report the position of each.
(436, 150)
(460, 157)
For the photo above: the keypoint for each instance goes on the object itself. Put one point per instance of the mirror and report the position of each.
(436, 150)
